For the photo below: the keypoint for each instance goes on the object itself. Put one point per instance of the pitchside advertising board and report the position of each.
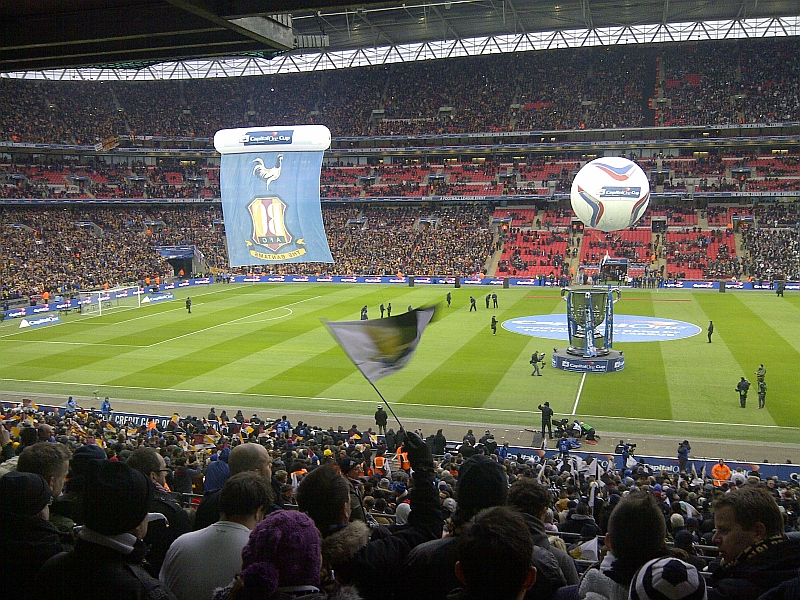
(520, 453)
(492, 281)
(33, 322)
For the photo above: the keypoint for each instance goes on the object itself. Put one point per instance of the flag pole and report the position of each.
(384, 400)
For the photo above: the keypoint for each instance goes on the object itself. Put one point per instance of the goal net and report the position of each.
(100, 301)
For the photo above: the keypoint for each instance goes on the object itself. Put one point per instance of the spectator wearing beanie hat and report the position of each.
(217, 473)
(27, 539)
(430, 568)
(352, 469)
(83, 459)
(668, 579)
(110, 547)
(685, 541)
(282, 560)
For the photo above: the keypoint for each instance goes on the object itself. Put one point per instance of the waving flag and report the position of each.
(380, 347)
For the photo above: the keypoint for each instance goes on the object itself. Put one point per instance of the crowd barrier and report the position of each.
(784, 472)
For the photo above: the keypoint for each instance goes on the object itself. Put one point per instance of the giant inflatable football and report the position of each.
(610, 193)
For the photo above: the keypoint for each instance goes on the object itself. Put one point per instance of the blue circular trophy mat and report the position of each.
(627, 328)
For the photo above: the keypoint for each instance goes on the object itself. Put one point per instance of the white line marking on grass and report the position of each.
(154, 314)
(229, 322)
(75, 343)
(578, 397)
(355, 401)
(289, 314)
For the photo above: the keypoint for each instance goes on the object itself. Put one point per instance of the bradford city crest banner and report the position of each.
(269, 179)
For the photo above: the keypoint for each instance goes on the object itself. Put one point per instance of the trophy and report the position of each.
(587, 309)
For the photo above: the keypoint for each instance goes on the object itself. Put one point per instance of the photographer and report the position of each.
(537, 358)
(547, 416)
(626, 450)
(683, 455)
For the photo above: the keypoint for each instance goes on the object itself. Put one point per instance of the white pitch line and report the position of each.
(75, 343)
(229, 322)
(414, 404)
(84, 318)
(578, 397)
(289, 314)
(154, 314)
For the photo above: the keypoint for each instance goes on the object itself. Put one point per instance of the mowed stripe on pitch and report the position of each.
(238, 342)
(640, 390)
(70, 358)
(138, 363)
(325, 367)
(473, 370)
(753, 341)
(105, 364)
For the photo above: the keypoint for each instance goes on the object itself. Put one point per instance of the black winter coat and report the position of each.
(788, 590)
(94, 572)
(160, 537)
(25, 544)
(757, 572)
(439, 444)
(374, 567)
(430, 572)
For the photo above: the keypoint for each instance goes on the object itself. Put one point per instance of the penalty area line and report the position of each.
(172, 339)
(357, 401)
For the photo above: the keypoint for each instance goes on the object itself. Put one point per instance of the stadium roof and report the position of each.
(403, 23)
(153, 39)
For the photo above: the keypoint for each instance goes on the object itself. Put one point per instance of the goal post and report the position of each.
(100, 301)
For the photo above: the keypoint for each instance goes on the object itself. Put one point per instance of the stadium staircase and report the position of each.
(490, 268)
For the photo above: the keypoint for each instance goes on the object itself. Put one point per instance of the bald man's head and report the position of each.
(250, 457)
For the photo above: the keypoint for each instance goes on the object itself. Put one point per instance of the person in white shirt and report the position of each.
(200, 561)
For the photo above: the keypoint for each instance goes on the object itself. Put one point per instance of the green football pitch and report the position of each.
(265, 346)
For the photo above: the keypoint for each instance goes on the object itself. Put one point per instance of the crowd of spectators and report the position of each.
(452, 240)
(99, 180)
(178, 511)
(772, 254)
(66, 249)
(730, 83)
(595, 89)
(713, 83)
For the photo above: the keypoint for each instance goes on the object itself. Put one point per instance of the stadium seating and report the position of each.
(601, 87)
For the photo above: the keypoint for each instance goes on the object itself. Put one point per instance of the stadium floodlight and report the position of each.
(102, 300)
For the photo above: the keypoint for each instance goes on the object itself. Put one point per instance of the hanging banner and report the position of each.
(269, 179)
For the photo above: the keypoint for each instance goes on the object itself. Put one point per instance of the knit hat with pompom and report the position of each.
(283, 550)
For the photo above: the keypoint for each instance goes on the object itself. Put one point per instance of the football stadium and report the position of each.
(266, 346)
(229, 232)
